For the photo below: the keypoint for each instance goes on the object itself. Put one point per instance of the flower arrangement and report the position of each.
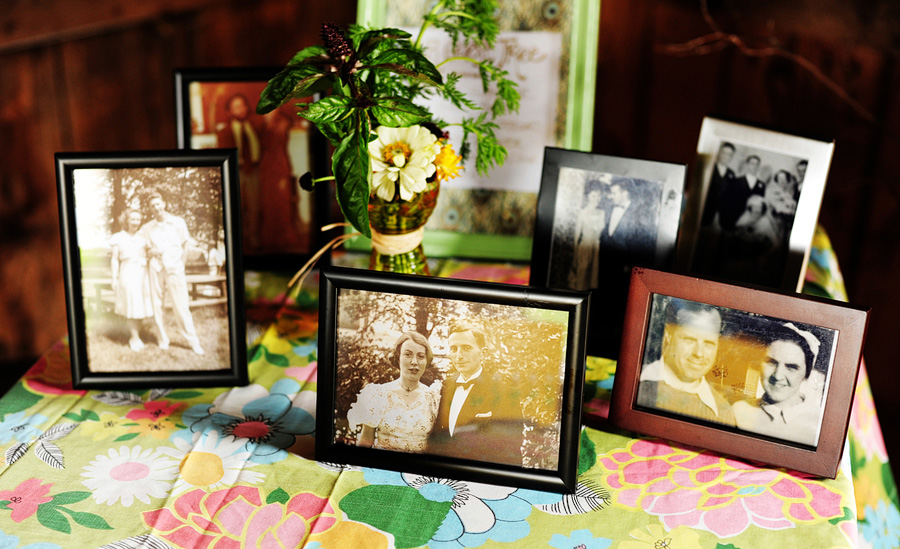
(387, 145)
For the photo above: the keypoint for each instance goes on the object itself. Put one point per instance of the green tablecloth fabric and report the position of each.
(227, 468)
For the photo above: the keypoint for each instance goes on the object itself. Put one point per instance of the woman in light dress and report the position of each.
(589, 225)
(399, 414)
(130, 279)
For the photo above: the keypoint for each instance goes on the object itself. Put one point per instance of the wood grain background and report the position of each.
(78, 75)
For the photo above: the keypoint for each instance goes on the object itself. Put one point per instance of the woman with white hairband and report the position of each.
(784, 411)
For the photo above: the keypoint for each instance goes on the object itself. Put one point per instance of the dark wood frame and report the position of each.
(318, 157)
(605, 321)
(849, 320)
(563, 479)
(235, 373)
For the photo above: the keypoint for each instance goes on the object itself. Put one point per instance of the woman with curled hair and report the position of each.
(399, 414)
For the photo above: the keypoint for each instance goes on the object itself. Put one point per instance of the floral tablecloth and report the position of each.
(227, 468)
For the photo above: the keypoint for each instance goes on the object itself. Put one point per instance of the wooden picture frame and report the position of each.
(519, 423)
(550, 50)
(582, 243)
(281, 222)
(759, 375)
(753, 204)
(150, 239)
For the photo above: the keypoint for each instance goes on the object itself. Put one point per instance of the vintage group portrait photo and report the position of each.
(771, 374)
(153, 271)
(452, 376)
(598, 216)
(216, 108)
(759, 194)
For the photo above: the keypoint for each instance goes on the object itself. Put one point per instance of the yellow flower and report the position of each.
(402, 155)
(110, 425)
(157, 429)
(446, 162)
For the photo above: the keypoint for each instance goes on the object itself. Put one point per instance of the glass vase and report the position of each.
(397, 229)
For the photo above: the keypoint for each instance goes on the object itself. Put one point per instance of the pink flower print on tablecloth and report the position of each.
(713, 493)
(241, 516)
(25, 498)
(864, 423)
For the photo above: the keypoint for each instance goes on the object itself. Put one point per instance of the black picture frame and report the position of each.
(647, 231)
(282, 223)
(498, 452)
(201, 189)
(784, 419)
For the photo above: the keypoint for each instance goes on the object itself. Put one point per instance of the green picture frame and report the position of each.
(578, 21)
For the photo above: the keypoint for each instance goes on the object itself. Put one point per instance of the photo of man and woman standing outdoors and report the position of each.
(152, 242)
(759, 374)
(450, 378)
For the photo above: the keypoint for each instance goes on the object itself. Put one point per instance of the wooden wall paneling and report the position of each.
(32, 303)
(620, 71)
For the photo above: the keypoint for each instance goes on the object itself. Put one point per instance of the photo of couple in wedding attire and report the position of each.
(137, 250)
(751, 372)
(485, 384)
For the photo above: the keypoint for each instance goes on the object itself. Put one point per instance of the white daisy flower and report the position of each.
(129, 474)
(402, 155)
(210, 462)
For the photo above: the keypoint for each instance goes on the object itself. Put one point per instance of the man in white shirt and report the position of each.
(676, 381)
(168, 236)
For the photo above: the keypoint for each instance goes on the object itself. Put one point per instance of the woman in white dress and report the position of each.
(589, 225)
(130, 279)
(398, 415)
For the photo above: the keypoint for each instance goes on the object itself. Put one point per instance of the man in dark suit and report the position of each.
(733, 200)
(722, 177)
(472, 421)
(627, 239)
(244, 132)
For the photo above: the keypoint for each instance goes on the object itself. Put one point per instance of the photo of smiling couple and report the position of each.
(756, 373)
(470, 389)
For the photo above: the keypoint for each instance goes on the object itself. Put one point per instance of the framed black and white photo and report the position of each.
(759, 375)
(153, 272)
(755, 199)
(597, 217)
(458, 379)
(216, 108)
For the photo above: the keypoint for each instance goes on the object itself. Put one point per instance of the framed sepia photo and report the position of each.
(597, 217)
(458, 379)
(153, 273)
(216, 108)
(759, 375)
(549, 49)
(755, 198)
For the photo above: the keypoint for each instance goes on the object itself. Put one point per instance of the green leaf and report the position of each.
(51, 518)
(404, 500)
(848, 515)
(123, 438)
(184, 395)
(73, 416)
(293, 81)
(17, 399)
(397, 112)
(368, 41)
(278, 496)
(408, 63)
(4, 504)
(329, 109)
(65, 498)
(352, 170)
(88, 520)
(587, 453)
(307, 53)
(275, 359)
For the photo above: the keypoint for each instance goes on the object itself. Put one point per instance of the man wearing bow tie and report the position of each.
(469, 423)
